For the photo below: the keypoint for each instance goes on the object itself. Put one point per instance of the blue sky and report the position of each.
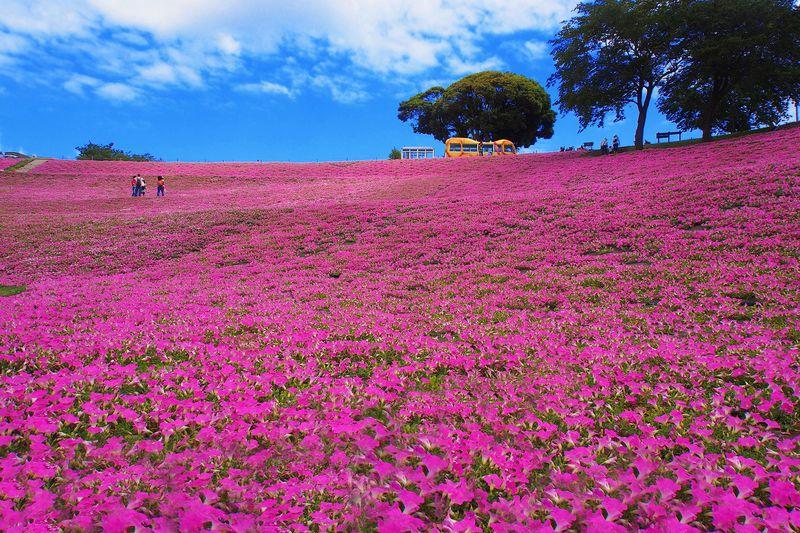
(258, 79)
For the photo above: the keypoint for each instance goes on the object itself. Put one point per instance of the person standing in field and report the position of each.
(615, 144)
(133, 186)
(604, 146)
(160, 189)
(144, 187)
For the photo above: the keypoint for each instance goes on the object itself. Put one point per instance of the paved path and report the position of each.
(30, 166)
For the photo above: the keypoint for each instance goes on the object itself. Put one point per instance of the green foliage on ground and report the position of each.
(12, 290)
(19, 165)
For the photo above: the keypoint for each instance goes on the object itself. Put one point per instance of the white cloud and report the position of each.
(78, 82)
(536, 50)
(341, 89)
(117, 92)
(162, 73)
(131, 37)
(267, 87)
(460, 67)
(158, 72)
(187, 43)
(11, 43)
(43, 18)
(228, 44)
(347, 89)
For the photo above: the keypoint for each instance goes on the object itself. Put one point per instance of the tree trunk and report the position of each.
(643, 108)
(707, 118)
(710, 112)
(706, 128)
(639, 139)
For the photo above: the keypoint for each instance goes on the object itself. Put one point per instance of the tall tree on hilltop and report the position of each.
(611, 54)
(485, 106)
(741, 66)
(425, 112)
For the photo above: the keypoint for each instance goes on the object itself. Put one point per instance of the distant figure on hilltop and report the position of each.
(160, 189)
(615, 144)
(604, 146)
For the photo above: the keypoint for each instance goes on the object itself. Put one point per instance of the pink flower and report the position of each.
(562, 518)
(493, 480)
(613, 508)
(743, 486)
(120, 519)
(459, 493)
(409, 500)
(783, 493)
(395, 521)
(667, 488)
(776, 518)
(595, 523)
(151, 446)
(466, 525)
(278, 346)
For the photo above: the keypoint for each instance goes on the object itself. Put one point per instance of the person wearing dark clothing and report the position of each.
(604, 146)
(160, 189)
(615, 144)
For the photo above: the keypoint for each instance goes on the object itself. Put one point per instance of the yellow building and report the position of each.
(464, 147)
(504, 147)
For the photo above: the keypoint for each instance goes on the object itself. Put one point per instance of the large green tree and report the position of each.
(740, 67)
(107, 152)
(613, 54)
(485, 106)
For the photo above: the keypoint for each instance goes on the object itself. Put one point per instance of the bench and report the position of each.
(588, 145)
(668, 135)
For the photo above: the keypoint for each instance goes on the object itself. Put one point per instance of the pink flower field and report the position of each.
(6, 162)
(539, 343)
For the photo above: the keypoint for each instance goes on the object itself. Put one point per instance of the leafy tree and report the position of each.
(611, 54)
(426, 112)
(395, 154)
(741, 67)
(107, 152)
(485, 106)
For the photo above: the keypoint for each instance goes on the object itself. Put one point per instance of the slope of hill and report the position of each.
(544, 342)
(6, 162)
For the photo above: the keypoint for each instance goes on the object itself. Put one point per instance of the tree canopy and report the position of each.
(486, 106)
(717, 65)
(740, 65)
(107, 152)
(611, 54)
